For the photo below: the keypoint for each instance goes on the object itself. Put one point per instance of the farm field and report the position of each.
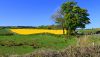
(49, 28)
(36, 31)
(23, 44)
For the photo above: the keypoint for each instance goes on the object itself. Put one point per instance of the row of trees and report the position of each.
(70, 17)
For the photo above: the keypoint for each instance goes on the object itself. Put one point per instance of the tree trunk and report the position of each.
(63, 31)
(69, 32)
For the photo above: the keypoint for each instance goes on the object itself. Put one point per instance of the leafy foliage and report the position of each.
(71, 17)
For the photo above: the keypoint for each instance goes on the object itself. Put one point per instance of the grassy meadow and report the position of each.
(23, 44)
(17, 43)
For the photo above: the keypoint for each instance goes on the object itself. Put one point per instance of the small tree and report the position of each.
(59, 19)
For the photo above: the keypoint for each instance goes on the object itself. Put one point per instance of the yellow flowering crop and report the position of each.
(36, 31)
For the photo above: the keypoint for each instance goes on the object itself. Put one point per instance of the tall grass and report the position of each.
(91, 51)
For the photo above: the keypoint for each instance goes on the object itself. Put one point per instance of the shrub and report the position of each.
(10, 43)
(6, 32)
(7, 43)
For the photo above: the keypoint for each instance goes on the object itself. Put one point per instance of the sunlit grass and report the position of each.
(41, 41)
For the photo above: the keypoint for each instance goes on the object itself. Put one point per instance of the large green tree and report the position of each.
(73, 17)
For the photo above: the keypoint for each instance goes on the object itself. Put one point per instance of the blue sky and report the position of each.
(39, 12)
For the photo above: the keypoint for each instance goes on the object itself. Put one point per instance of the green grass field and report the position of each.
(11, 44)
(22, 44)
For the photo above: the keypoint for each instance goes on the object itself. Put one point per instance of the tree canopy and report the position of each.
(71, 17)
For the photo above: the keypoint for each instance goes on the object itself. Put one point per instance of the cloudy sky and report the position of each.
(39, 12)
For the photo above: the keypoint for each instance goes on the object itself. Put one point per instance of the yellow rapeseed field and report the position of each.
(36, 31)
